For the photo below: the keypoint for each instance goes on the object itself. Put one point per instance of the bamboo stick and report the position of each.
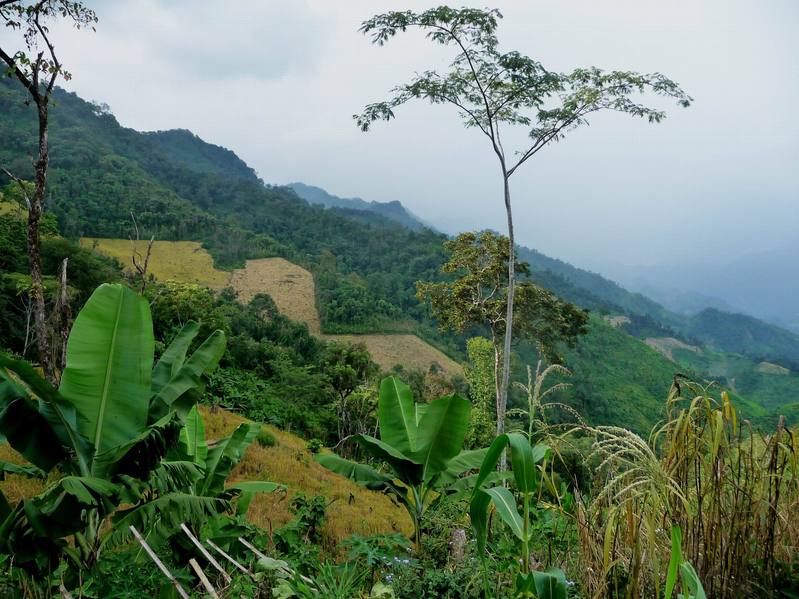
(228, 558)
(203, 578)
(158, 562)
(205, 553)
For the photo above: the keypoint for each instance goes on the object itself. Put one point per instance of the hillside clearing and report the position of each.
(292, 288)
(185, 261)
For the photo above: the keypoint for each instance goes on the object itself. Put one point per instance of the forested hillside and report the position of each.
(179, 187)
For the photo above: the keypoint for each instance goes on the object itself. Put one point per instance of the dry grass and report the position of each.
(289, 285)
(355, 509)
(15, 486)
(733, 492)
(292, 289)
(184, 261)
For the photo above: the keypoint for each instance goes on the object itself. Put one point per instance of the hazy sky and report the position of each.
(277, 81)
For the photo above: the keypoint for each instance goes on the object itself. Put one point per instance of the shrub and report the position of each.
(266, 439)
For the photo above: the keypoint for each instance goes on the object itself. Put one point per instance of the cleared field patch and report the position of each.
(289, 285)
(405, 349)
(667, 345)
(292, 289)
(185, 261)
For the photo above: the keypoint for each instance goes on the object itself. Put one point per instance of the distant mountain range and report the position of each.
(761, 284)
(393, 211)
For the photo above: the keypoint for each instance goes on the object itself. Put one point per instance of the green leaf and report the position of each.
(360, 473)
(396, 413)
(406, 469)
(691, 581)
(26, 471)
(140, 455)
(24, 427)
(523, 463)
(189, 376)
(247, 490)
(505, 505)
(174, 356)
(441, 433)
(109, 362)
(674, 561)
(224, 456)
(192, 437)
(550, 584)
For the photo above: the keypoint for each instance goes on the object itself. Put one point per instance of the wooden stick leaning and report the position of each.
(205, 553)
(228, 558)
(203, 578)
(158, 562)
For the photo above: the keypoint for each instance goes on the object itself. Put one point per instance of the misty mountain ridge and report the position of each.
(393, 211)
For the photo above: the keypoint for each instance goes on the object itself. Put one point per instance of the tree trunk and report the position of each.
(505, 380)
(34, 257)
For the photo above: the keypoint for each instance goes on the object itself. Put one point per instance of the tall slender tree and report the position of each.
(493, 91)
(37, 68)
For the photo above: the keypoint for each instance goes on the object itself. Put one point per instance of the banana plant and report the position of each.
(550, 584)
(219, 460)
(105, 430)
(421, 444)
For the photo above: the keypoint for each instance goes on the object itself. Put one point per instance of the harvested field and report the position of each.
(185, 261)
(289, 285)
(292, 288)
(667, 345)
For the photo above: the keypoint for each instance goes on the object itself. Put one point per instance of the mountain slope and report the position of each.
(364, 269)
(393, 211)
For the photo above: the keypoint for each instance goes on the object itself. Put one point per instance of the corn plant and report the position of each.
(524, 466)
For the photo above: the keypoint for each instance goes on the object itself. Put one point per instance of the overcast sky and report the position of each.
(277, 81)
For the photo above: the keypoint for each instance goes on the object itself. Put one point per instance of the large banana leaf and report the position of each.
(396, 413)
(224, 456)
(188, 378)
(25, 429)
(109, 366)
(406, 469)
(192, 437)
(360, 473)
(142, 454)
(441, 432)
(174, 356)
(44, 439)
(58, 510)
(160, 518)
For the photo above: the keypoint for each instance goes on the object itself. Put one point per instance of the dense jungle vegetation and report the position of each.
(641, 453)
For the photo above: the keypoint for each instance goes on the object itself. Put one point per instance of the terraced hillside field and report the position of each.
(292, 288)
(185, 261)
